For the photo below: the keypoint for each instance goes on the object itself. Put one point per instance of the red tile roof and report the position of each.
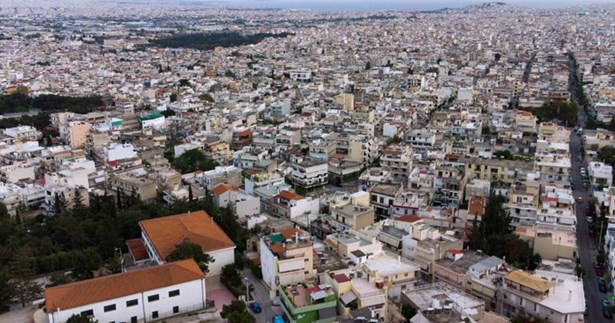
(222, 188)
(288, 195)
(408, 218)
(137, 249)
(167, 232)
(119, 285)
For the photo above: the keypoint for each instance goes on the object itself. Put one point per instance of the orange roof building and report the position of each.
(162, 235)
(144, 294)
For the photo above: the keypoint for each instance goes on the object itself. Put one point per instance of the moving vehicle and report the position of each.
(579, 199)
(255, 307)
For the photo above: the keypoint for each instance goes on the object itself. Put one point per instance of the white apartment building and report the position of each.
(600, 174)
(23, 133)
(310, 174)
(142, 295)
(117, 151)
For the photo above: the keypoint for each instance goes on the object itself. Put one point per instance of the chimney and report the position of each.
(296, 237)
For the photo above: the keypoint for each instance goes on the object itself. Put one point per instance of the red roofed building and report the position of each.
(142, 295)
(162, 235)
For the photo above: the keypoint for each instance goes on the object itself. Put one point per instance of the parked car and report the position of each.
(606, 309)
(601, 285)
(255, 307)
(278, 319)
(599, 270)
(579, 199)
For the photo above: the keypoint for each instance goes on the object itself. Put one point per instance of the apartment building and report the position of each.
(397, 160)
(303, 304)
(353, 291)
(600, 174)
(309, 174)
(351, 216)
(142, 295)
(506, 171)
(286, 257)
(554, 297)
(382, 197)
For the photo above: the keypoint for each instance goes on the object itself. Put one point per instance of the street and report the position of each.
(261, 294)
(586, 246)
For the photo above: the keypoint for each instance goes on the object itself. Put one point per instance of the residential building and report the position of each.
(555, 297)
(302, 304)
(286, 257)
(309, 174)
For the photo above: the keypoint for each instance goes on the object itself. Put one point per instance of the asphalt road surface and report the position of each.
(261, 294)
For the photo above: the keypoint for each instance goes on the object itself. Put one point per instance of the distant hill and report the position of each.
(472, 7)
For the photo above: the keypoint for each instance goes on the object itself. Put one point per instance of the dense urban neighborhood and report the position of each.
(185, 161)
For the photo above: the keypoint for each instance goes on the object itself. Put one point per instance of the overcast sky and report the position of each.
(351, 5)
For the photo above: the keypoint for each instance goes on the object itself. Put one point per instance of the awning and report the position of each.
(348, 297)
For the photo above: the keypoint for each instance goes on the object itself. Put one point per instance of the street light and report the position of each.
(247, 282)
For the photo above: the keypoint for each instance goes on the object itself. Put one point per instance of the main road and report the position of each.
(587, 249)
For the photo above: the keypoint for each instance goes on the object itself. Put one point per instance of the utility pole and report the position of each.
(247, 282)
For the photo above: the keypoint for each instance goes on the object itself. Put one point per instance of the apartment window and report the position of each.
(109, 308)
(87, 313)
(567, 318)
(153, 298)
(174, 293)
(522, 301)
(155, 314)
(306, 259)
(132, 302)
(133, 319)
(175, 309)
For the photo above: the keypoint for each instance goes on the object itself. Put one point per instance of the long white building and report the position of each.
(137, 296)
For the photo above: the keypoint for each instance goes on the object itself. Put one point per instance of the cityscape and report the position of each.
(328, 161)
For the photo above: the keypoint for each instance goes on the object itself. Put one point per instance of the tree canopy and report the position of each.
(208, 41)
(236, 312)
(493, 235)
(566, 112)
(193, 160)
(21, 102)
(187, 250)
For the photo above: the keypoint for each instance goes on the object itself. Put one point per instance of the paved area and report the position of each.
(261, 294)
(586, 245)
(22, 315)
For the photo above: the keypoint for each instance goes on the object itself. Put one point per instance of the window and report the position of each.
(155, 314)
(175, 309)
(87, 313)
(109, 308)
(133, 302)
(133, 319)
(174, 293)
(153, 298)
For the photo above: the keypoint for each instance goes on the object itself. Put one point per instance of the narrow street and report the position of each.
(260, 293)
(586, 246)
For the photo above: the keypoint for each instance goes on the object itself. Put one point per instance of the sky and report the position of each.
(360, 5)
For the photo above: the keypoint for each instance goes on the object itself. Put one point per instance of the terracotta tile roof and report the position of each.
(288, 195)
(167, 232)
(137, 249)
(289, 233)
(123, 284)
(408, 218)
(278, 248)
(222, 188)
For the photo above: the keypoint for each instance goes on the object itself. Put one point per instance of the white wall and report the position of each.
(250, 206)
(310, 205)
(222, 258)
(192, 295)
(267, 264)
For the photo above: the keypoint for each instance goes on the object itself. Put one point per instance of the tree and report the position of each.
(368, 65)
(190, 194)
(78, 201)
(173, 97)
(80, 318)
(184, 82)
(236, 312)
(4, 212)
(59, 204)
(229, 73)
(193, 160)
(7, 290)
(22, 270)
(187, 250)
(408, 312)
(497, 57)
